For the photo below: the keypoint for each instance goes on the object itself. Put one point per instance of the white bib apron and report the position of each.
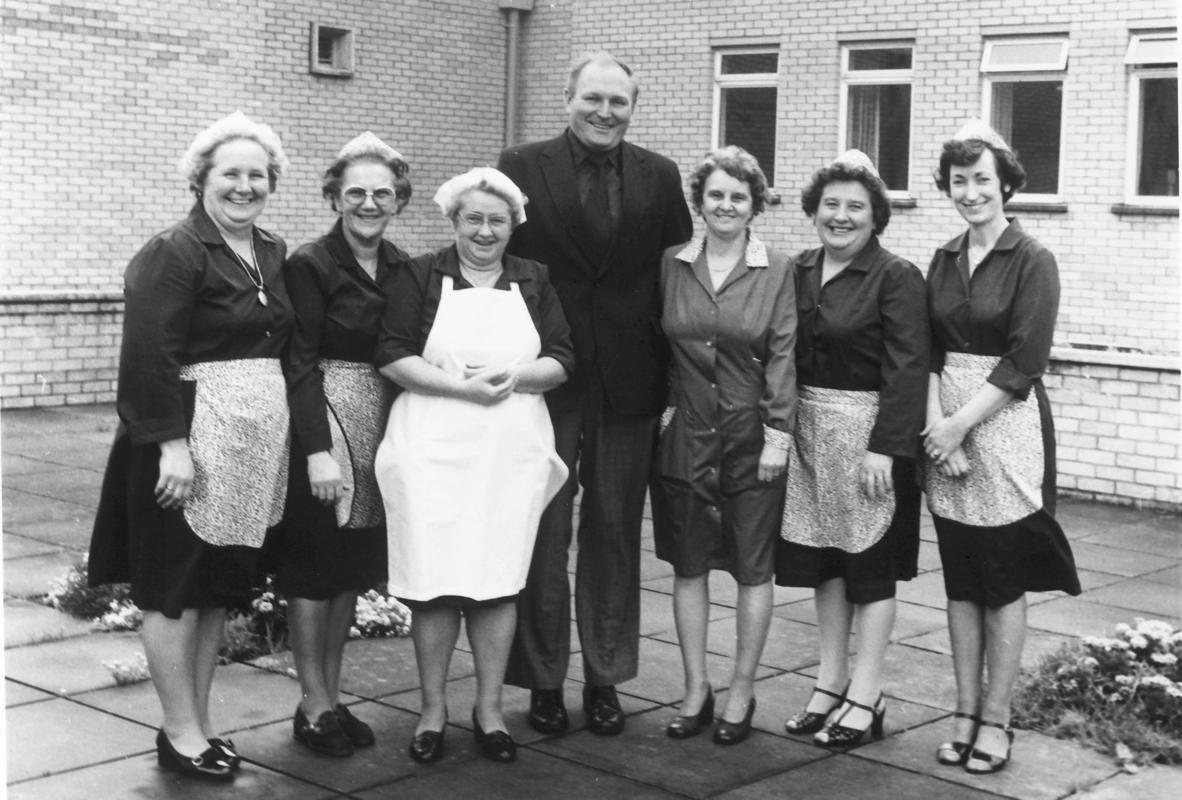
(463, 484)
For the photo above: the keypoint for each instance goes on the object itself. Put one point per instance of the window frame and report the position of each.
(877, 77)
(1030, 73)
(343, 50)
(1138, 72)
(746, 80)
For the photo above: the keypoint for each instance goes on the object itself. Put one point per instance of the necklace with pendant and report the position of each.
(257, 282)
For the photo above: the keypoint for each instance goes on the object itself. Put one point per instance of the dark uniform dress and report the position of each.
(865, 331)
(338, 403)
(188, 303)
(996, 528)
(734, 389)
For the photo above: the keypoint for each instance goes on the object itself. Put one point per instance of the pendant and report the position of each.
(263, 298)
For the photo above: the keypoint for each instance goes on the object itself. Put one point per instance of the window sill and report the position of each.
(1138, 210)
(904, 202)
(1037, 206)
(332, 72)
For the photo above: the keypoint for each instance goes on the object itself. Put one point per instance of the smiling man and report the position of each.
(601, 211)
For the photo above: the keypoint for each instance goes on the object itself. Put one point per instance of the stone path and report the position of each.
(71, 733)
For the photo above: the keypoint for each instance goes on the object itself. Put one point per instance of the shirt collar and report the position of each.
(581, 152)
(449, 264)
(1007, 241)
(208, 232)
(862, 262)
(755, 255)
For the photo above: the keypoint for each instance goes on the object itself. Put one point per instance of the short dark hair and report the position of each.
(740, 165)
(331, 185)
(963, 152)
(880, 203)
(601, 58)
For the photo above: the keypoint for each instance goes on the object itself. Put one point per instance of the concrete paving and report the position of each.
(72, 733)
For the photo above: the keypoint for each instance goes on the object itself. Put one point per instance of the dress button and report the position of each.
(268, 334)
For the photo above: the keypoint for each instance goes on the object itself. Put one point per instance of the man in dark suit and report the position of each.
(601, 211)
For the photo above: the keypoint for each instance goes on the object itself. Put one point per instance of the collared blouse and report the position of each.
(867, 330)
(415, 287)
(188, 300)
(1007, 308)
(732, 348)
(338, 311)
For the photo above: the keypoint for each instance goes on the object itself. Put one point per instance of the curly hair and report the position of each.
(740, 165)
(880, 203)
(198, 158)
(330, 187)
(963, 152)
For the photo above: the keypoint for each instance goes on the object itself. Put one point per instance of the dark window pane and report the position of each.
(748, 63)
(880, 126)
(888, 58)
(1028, 115)
(749, 121)
(325, 47)
(1158, 174)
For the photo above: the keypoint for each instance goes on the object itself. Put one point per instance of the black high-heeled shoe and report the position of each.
(812, 721)
(427, 746)
(229, 753)
(683, 727)
(494, 745)
(837, 735)
(955, 752)
(735, 732)
(209, 766)
(987, 763)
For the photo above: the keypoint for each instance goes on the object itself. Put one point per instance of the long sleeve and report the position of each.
(1032, 322)
(307, 288)
(777, 407)
(904, 370)
(551, 323)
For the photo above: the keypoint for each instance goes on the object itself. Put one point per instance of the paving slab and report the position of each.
(1075, 617)
(1170, 576)
(914, 620)
(17, 546)
(1142, 597)
(1041, 768)
(926, 589)
(12, 464)
(27, 623)
(692, 767)
(1161, 536)
(461, 699)
(140, 777)
(1038, 644)
(533, 775)
(1089, 579)
(33, 576)
(1155, 783)
(17, 694)
(929, 556)
(919, 676)
(96, 736)
(1117, 560)
(69, 483)
(73, 665)
(851, 778)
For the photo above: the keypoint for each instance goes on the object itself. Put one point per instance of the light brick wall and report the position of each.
(1117, 432)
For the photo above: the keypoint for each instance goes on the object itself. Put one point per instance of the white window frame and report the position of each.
(1139, 70)
(1049, 70)
(342, 66)
(748, 80)
(877, 77)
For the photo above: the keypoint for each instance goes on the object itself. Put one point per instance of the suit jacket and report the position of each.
(613, 304)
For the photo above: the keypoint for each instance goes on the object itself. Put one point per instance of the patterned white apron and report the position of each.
(357, 398)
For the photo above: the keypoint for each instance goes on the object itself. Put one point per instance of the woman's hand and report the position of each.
(489, 385)
(874, 475)
(324, 476)
(176, 474)
(942, 437)
(773, 462)
(956, 465)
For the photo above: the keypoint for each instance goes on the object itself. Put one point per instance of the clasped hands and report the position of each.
(944, 444)
(489, 385)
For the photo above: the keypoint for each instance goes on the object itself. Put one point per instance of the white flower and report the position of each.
(1138, 642)
(1165, 659)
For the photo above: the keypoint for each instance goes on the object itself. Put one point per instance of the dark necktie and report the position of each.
(598, 207)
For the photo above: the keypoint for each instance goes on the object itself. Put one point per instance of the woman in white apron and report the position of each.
(468, 462)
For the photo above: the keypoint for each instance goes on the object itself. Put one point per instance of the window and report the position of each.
(745, 99)
(875, 108)
(1152, 169)
(330, 51)
(1024, 103)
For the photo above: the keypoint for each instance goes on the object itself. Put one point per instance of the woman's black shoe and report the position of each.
(495, 745)
(812, 721)
(324, 736)
(687, 727)
(360, 734)
(209, 766)
(837, 735)
(226, 748)
(735, 732)
(427, 746)
(978, 762)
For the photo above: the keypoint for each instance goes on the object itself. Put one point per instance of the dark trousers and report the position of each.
(610, 456)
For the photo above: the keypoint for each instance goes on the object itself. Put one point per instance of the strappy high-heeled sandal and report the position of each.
(954, 753)
(837, 735)
(812, 721)
(979, 762)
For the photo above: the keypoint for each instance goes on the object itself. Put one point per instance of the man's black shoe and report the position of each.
(547, 714)
(602, 707)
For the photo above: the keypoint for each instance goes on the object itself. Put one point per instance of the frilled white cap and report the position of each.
(234, 126)
(857, 160)
(368, 144)
(975, 128)
(487, 178)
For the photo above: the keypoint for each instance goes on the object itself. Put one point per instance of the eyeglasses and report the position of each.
(478, 220)
(383, 196)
